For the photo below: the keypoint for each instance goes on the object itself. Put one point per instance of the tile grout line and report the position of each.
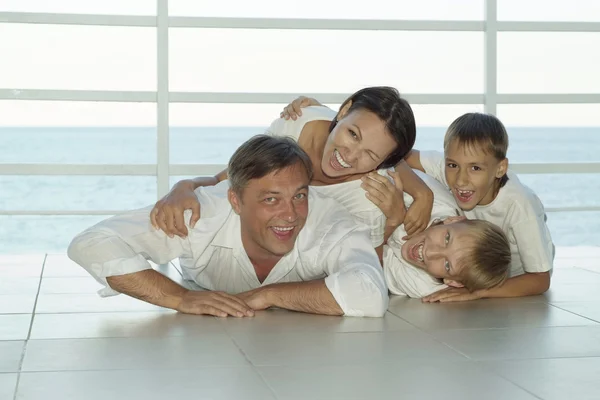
(491, 371)
(37, 295)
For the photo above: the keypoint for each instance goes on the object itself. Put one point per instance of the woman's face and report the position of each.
(357, 145)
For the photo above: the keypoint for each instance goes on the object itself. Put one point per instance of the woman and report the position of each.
(374, 129)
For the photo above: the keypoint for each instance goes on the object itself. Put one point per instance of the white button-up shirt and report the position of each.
(331, 246)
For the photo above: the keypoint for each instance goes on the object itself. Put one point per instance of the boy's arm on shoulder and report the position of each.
(413, 159)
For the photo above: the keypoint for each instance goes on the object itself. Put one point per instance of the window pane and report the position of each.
(77, 132)
(336, 9)
(575, 228)
(241, 60)
(41, 234)
(118, 7)
(76, 192)
(77, 57)
(552, 132)
(564, 190)
(548, 62)
(549, 10)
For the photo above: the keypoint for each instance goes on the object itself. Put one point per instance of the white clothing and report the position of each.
(331, 246)
(518, 211)
(401, 277)
(349, 194)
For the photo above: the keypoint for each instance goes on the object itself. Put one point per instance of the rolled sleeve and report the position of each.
(123, 245)
(355, 277)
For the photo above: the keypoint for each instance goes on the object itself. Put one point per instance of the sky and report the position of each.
(294, 61)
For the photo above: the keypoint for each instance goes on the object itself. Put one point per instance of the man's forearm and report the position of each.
(522, 285)
(413, 185)
(149, 286)
(309, 297)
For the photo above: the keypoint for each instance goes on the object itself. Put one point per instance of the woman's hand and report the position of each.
(388, 196)
(167, 213)
(294, 109)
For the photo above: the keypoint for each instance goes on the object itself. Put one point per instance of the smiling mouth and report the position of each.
(464, 196)
(416, 252)
(338, 162)
(283, 232)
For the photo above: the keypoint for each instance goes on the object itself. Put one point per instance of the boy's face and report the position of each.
(472, 174)
(438, 249)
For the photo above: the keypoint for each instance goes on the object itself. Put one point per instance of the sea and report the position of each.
(214, 145)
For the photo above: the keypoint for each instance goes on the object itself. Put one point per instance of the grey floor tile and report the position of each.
(577, 252)
(175, 352)
(20, 286)
(521, 343)
(20, 269)
(341, 348)
(587, 309)
(592, 264)
(393, 380)
(283, 322)
(14, 326)
(70, 285)
(134, 324)
(10, 260)
(574, 275)
(17, 304)
(59, 265)
(10, 355)
(8, 383)
(483, 314)
(210, 383)
(573, 292)
(555, 379)
(82, 303)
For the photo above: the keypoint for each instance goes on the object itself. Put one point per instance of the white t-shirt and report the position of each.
(401, 277)
(517, 211)
(349, 194)
(331, 246)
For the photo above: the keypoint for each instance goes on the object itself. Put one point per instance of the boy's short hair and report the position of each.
(478, 129)
(487, 259)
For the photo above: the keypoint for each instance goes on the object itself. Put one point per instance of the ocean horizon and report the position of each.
(214, 145)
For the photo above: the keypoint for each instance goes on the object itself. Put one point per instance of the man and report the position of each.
(259, 246)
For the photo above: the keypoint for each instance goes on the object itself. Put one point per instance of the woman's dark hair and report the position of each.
(386, 103)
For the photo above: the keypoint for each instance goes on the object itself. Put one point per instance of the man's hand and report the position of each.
(294, 109)
(388, 196)
(257, 299)
(218, 304)
(418, 216)
(167, 213)
(452, 294)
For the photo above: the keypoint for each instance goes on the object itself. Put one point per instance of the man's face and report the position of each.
(438, 249)
(272, 210)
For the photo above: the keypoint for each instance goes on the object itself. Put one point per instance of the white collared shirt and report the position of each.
(331, 246)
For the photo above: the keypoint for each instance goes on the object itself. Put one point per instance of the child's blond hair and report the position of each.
(487, 260)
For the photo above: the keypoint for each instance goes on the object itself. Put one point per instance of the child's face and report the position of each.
(438, 249)
(472, 174)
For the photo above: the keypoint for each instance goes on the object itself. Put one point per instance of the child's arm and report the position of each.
(418, 214)
(413, 159)
(528, 284)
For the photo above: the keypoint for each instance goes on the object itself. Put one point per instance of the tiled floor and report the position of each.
(59, 340)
